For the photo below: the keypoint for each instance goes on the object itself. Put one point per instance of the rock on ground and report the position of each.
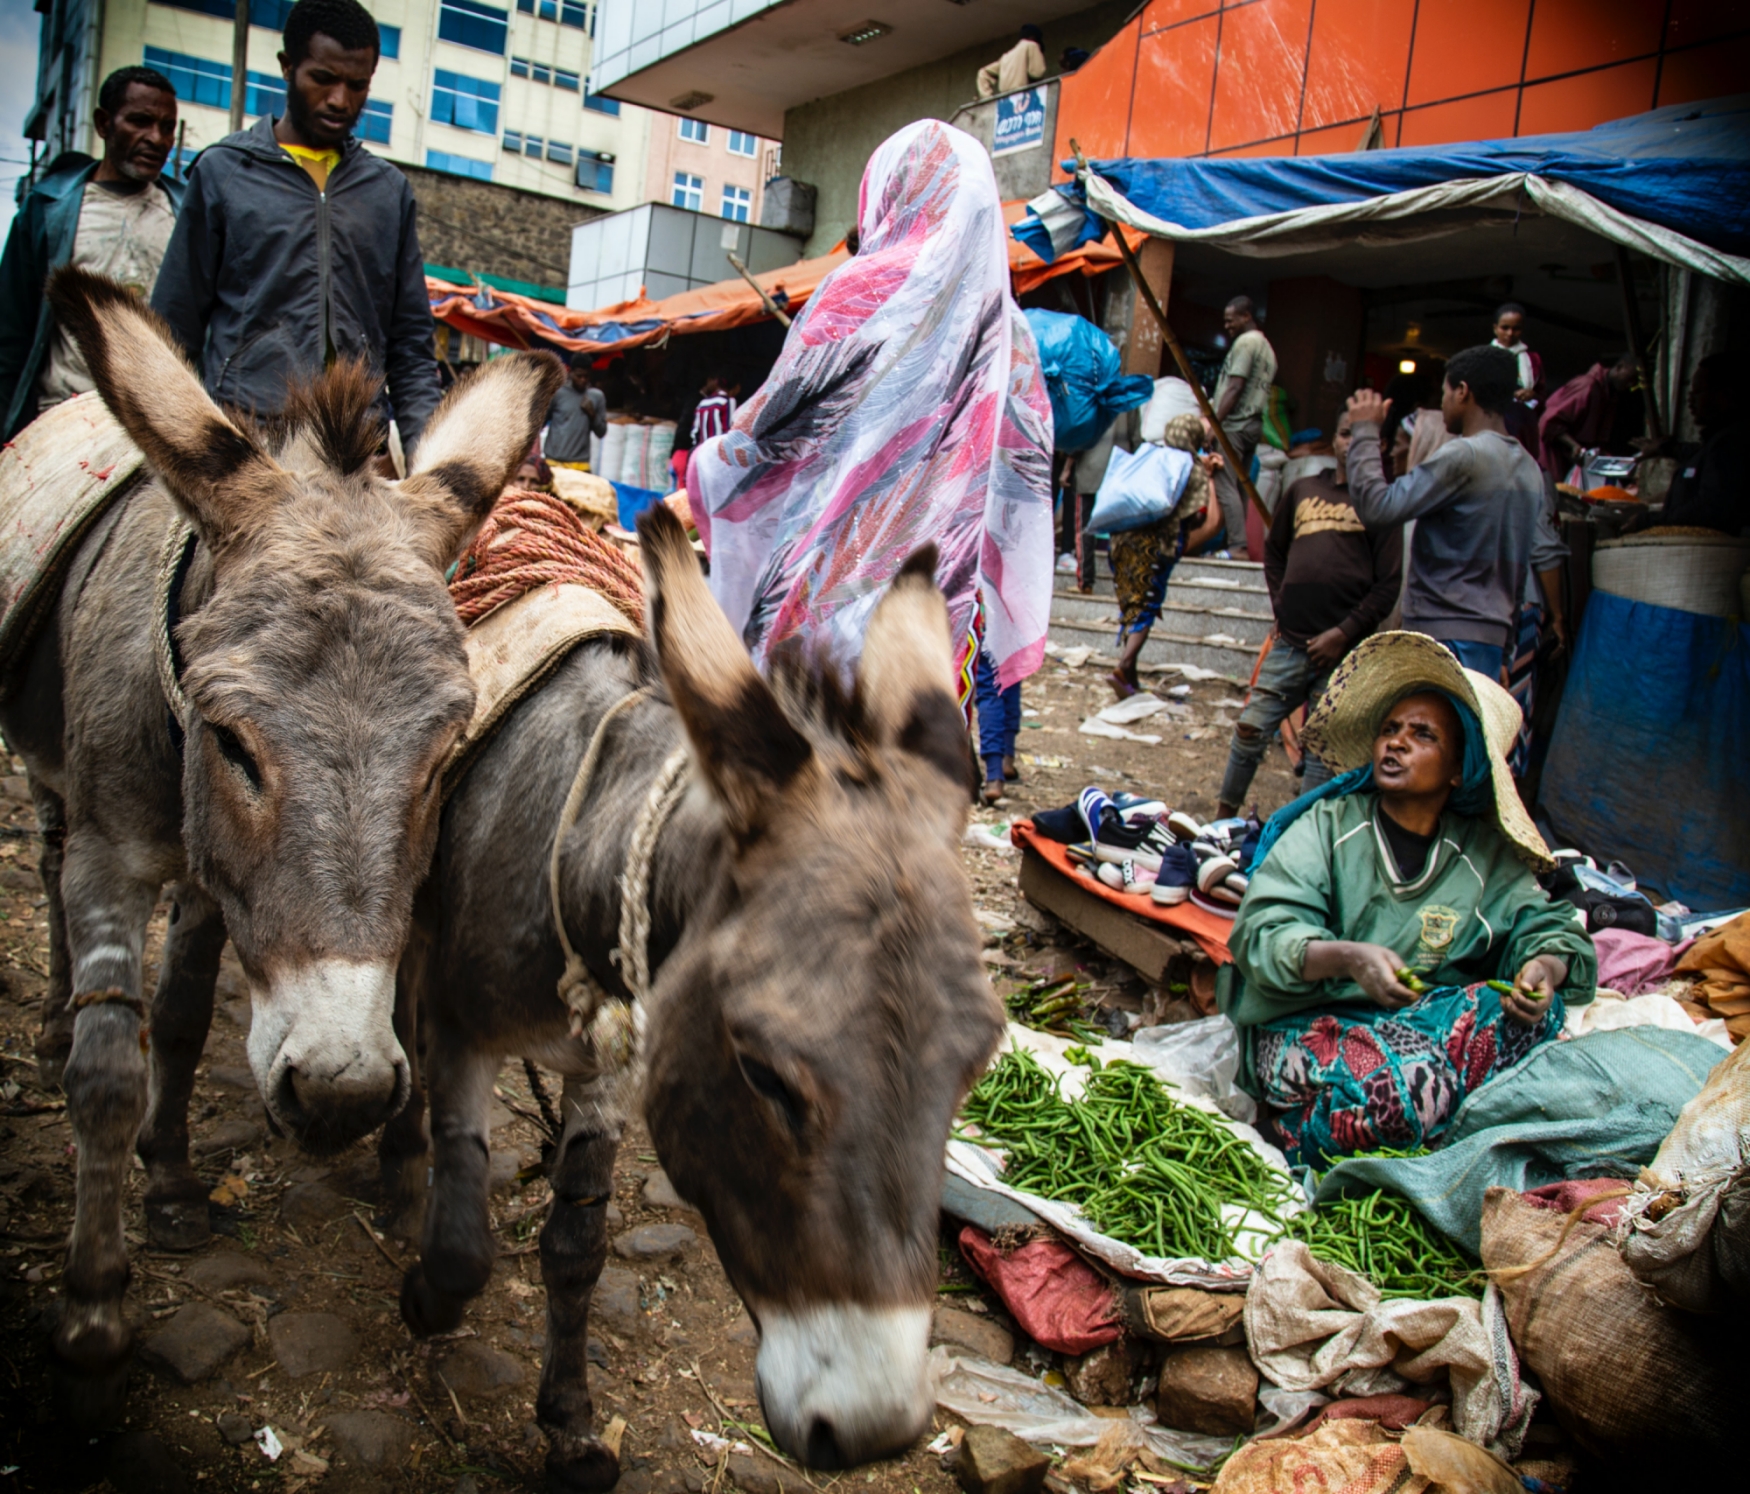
(614, 1303)
(759, 1475)
(965, 1330)
(195, 1342)
(1102, 1377)
(992, 1461)
(307, 1205)
(234, 1427)
(1208, 1390)
(654, 1242)
(659, 1193)
(306, 1343)
(478, 1371)
(370, 1439)
(225, 1270)
(227, 1136)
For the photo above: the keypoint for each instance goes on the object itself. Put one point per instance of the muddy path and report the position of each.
(289, 1318)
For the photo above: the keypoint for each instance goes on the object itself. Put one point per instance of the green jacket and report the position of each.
(41, 240)
(1475, 913)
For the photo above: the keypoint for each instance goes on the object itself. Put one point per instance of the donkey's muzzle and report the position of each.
(322, 1044)
(842, 1383)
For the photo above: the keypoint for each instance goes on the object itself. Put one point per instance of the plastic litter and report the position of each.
(269, 1443)
(1083, 377)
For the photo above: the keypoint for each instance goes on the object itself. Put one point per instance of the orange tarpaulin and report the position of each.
(503, 317)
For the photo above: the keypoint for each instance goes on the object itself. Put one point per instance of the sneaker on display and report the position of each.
(1183, 826)
(1178, 870)
(1143, 844)
(1214, 866)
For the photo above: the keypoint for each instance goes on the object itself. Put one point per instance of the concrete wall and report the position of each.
(470, 225)
(828, 142)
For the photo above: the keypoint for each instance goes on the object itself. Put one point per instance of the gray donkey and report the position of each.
(295, 802)
(818, 1010)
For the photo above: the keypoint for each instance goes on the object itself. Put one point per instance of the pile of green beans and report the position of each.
(1140, 1166)
(1054, 1006)
(1381, 1236)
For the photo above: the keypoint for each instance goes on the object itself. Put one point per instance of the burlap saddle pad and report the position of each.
(58, 477)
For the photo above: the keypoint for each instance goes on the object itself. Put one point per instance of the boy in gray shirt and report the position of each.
(1479, 506)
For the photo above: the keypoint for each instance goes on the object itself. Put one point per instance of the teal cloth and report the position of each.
(1594, 1107)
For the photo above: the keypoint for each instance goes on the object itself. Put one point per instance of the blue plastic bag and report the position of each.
(1083, 377)
(633, 501)
(1139, 488)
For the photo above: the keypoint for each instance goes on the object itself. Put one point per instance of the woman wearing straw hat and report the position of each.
(1382, 904)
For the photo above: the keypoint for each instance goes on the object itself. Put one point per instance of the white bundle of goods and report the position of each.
(637, 447)
(656, 474)
(595, 453)
(613, 455)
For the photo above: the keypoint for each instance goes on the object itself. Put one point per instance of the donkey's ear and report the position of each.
(905, 683)
(475, 440)
(214, 469)
(742, 740)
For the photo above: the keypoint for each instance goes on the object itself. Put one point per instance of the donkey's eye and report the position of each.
(765, 1082)
(236, 754)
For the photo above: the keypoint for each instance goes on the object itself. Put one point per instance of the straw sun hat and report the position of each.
(1378, 673)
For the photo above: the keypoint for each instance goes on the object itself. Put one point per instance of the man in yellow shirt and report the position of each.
(296, 246)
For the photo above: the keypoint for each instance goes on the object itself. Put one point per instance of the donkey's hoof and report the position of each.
(425, 1309)
(90, 1401)
(176, 1218)
(590, 1468)
(92, 1339)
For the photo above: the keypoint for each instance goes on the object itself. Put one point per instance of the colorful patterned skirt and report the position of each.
(1142, 560)
(1360, 1078)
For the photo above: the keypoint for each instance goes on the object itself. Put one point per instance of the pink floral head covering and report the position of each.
(907, 407)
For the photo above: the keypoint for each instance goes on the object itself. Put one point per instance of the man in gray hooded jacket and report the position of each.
(296, 246)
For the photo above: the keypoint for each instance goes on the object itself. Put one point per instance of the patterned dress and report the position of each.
(1143, 559)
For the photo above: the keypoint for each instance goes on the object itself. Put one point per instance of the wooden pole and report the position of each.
(1631, 316)
(759, 290)
(1241, 476)
(239, 64)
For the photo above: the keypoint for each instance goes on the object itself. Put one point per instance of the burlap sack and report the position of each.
(1645, 1386)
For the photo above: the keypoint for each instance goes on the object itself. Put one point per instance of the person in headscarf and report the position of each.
(906, 408)
(1381, 906)
(1143, 559)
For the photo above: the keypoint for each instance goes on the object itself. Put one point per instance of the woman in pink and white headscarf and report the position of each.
(907, 407)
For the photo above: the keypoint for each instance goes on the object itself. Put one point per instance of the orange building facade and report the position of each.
(1304, 77)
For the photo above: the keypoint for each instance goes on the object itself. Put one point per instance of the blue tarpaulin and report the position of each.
(1683, 170)
(1648, 761)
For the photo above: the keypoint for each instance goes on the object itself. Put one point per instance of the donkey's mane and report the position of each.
(337, 410)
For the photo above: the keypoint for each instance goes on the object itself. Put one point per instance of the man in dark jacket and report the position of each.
(296, 246)
(112, 216)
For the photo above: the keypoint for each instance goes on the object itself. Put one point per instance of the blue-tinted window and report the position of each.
(268, 14)
(266, 94)
(737, 204)
(391, 39)
(689, 191)
(519, 67)
(195, 79)
(599, 104)
(595, 176)
(468, 23)
(742, 144)
(540, 72)
(571, 13)
(374, 123)
(532, 146)
(513, 142)
(527, 7)
(271, 15)
(695, 130)
(558, 151)
(442, 160)
(467, 103)
(565, 80)
(549, 9)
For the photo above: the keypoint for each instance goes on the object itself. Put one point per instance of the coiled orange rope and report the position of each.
(530, 540)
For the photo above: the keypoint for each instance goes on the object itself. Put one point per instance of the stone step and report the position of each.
(1191, 618)
(1165, 647)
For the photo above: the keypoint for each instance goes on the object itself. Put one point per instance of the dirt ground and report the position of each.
(674, 1351)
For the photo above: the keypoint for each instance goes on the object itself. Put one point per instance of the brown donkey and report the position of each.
(295, 803)
(817, 1012)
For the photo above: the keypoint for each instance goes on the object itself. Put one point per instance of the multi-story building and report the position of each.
(486, 107)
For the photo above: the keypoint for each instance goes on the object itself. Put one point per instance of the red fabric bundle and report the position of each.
(1056, 1297)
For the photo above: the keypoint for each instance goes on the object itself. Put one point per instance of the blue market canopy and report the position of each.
(1673, 184)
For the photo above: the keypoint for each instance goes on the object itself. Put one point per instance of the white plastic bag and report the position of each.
(1140, 487)
(1172, 397)
(1199, 1058)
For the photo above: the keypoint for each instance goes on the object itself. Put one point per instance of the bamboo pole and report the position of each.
(1631, 316)
(759, 290)
(1241, 476)
(239, 63)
